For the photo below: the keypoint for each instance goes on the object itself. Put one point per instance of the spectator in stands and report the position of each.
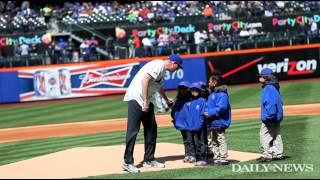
(11, 9)
(87, 9)
(244, 32)
(93, 44)
(137, 46)
(47, 12)
(58, 56)
(163, 42)
(212, 37)
(110, 45)
(170, 15)
(253, 31)
(84, 50)
(143, 13)
(197, 40)
(63, 48)
(34, 52)
(313, 28)
(182, 45)
(150, 16)
(147, 46)
(208, 11)
(132, 51)
(24, 53)
(133, 16)
(70, 49)
(50, 52)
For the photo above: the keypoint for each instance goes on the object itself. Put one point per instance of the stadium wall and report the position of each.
(113, 77)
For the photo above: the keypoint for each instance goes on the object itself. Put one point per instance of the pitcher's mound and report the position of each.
(94, 161)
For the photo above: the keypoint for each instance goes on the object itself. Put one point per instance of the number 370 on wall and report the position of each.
(175, 75)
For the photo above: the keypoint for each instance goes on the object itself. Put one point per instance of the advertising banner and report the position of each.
(75, 81)
(93, 80)
(288, 64)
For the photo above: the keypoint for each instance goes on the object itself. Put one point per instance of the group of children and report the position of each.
(203, 113)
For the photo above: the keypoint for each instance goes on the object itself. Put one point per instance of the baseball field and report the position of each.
(23, 135)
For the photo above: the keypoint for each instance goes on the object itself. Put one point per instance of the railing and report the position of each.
(49, 57)
(122, 51)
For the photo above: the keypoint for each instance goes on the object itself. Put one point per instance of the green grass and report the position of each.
(300, 136)
(114, 107)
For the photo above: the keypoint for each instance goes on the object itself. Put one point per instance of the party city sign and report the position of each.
(234, 25)
(166, 30)
(298, 20)
(8, 41)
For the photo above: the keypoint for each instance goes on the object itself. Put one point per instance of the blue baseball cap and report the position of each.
(196, 85)
(202, 83)
(184, 84)
(266, 72)
(176, 59)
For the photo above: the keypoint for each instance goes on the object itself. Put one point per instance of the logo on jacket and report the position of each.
(213, 96)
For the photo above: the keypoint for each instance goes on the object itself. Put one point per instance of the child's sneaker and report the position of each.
(201, 163)
(186, 159)
(192, 159)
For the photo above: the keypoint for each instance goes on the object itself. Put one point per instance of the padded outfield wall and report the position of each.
(113, 77)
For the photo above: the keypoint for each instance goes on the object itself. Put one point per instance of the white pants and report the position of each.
(271, 140)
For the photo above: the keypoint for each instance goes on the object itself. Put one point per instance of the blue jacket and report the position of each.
(219, 110)
(271, 104)
(179, 114)
(195, 110)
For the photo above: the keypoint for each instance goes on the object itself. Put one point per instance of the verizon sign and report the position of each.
(291, 67)
(287, 64)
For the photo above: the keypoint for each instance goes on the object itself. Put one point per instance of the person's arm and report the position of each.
(221, 107)
(269, 103)
(145, 87)
(169, 101)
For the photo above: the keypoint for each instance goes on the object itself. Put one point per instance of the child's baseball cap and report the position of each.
(203, 84)
(266, 72)
(176, 59)
(196, 85)
(184, 84)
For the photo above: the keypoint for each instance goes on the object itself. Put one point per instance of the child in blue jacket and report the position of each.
(271, 117)
(197, 124)
(219, 119)
(179, 116)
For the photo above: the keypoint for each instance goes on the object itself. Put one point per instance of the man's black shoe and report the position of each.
(264, 159)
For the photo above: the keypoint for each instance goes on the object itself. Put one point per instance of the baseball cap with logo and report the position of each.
(176, 59)
(184, 84)
(196, 85)
(266, 72)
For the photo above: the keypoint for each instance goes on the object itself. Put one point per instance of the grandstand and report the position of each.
(70, 32)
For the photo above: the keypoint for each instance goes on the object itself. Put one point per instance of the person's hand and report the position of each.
(170, 102)
(145, 107)
(206, 114)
